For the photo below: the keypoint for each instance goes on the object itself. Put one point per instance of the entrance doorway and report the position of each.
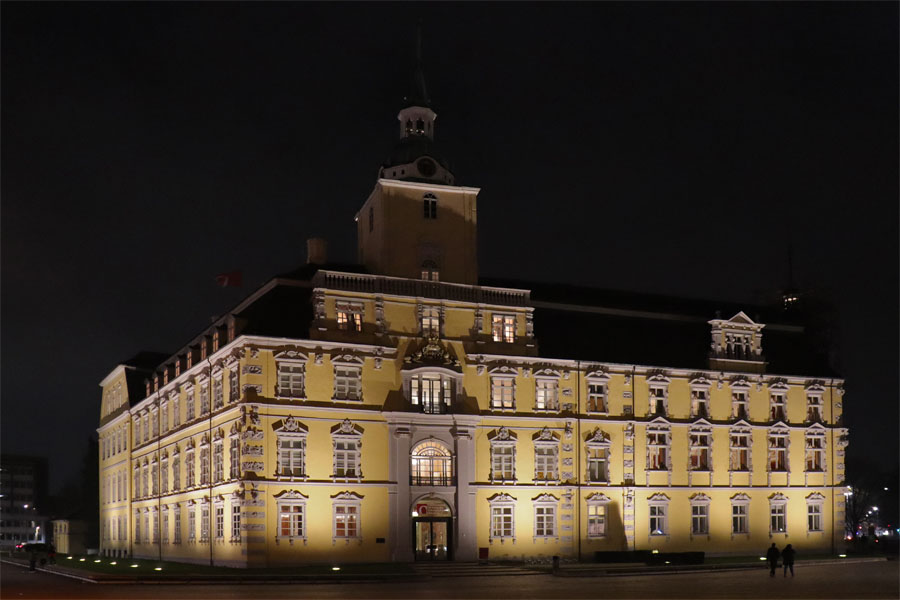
(432, 530)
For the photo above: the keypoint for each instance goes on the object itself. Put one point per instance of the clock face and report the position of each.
(426, 167)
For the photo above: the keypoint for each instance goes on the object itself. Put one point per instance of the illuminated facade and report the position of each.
(397, 410)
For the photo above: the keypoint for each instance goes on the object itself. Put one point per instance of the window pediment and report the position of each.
(740, 498)
(501, 497)
(598, 498)
(545, 435)
(502, 435)
(291, 355)
(778, 497)
(290, 495)
(346, 428)
(699, 498)
(598, 438)
(290, 425)
(347, 360)
(545, 498)
(658, 497)
(347, 496)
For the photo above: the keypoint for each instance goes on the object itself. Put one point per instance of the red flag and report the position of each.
(232, 279)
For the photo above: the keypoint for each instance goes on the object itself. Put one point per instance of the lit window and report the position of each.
(503, 328)
(503, 392)
(596, 515)
(431, 463)
(347, 384)
(502, 517)
(545, 517)
(346, 509)
(740, 511)
(349, 316)
(778, 514)
(430, 271)
(431, 392)
(546, 461)
(658, 506)
(220, 521)
(291, 379)
(291, 519)
(430, 206)
(597, 397)
(431, 320)
(740, 450)
(700, 448)
(546, 392)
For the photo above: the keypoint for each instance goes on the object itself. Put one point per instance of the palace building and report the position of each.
(405, 409)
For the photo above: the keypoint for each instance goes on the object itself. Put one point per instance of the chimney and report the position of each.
(316, 251)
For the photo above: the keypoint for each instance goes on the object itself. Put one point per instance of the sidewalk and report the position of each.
(409, 572)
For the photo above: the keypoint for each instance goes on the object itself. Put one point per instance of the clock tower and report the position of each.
(417, 222)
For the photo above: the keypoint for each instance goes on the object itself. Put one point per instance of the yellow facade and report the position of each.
(413, 416)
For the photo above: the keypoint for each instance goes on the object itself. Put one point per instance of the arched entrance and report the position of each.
(432, 529)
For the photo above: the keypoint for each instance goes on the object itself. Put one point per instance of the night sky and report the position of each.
(670, 148)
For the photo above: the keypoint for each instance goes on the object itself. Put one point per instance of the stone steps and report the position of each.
(453, 569)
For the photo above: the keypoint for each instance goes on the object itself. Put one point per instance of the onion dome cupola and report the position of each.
(414, 157)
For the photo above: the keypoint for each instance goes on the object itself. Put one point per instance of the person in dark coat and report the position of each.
(772, 558)
(787, 556)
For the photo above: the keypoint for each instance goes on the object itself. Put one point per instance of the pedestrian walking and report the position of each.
(772, 558)
(787, 559)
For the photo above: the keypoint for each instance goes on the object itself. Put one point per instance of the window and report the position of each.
(596, 515)
(290, 379)
(176, 414)
(503, 328)
(545, 517)
(218, 461)
(502, 517)
(815, 450)
(597, 397)
(346, 516)
(740, 450)
(431, 464)
(658, 449)
(204, 464)
(740, 404)
(777, 406)
(503, 456)
(371, 219)
(349, 316)
(658, 505)
(700, 402)
(658, 400)
(503, 392)
(218, 393)
(234, 462)
(778, 441)
(546, 461)
(814, 506)
(147, 527)
(430, 271)
(164, 413)
(814, 412)
(234, 393)
(700, 515)
(137, 527)
(189, 480)
(189, 405)
(700, 440)
(347, 384)
(546, 392)
(740, 510)
(154, 423)
(145, 480)
(432, 392)
(176, 474)
(236, 521)
(192, 526)
(220, 521)
(347, 451)
(204, 523)
(431, 320)
(778, 514)
(164, 476)
(292, 518)
(292, 455)
(597, 449)
(430, 206)
(137, 481)
(204, 399)
(176, 538)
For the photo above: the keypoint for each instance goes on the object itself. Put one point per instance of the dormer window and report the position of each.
(503, 328)
(736, 340)
(430, 271)
(429, 205)
(349, 316)
(431, 320)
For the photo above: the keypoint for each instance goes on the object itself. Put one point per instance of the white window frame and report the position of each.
(597, 395)
(176, 472)
(350, 451)
(502, 524)
(421, 388)
(347, 382)
(545, 509)
(204, 521)
(219, 523)
(546, 394)
(815, 443)
(204, 458)
(655, 433)
(190, 469)
(190, 404)
(815, 404)
(658, 391)
(598, 443)
(503, 392)
(343, 505)
(700, 440)
(778, 508)
(504, 461)
(291, 379)
(349, 315)
(741, 516)
(234, 390)
(503, 327)
(597, 515)
(740, 399)
(176, 534)
(192, 523)
(236, 520)
(234, 456)
(204, 397)
(218, 384)
(772, 438)
(700, 515)
(700, 397)
(218, 471)
(430, 320)
(815, 513)
(431, 463)
(658, 513)
(778, 402)
(164, 475)
(295, 454)
(734, 450)
(546, 460)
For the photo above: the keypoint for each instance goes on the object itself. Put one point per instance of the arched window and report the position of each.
(429, 205)
(431, 464)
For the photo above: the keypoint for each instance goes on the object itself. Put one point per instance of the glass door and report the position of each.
(432, 539)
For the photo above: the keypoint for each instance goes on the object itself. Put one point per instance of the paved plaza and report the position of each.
(863, 580)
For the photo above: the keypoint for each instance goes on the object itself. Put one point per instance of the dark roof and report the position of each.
(412, 147)
(583, 323)
(146, 360)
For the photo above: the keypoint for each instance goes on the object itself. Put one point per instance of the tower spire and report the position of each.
(419, 93)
